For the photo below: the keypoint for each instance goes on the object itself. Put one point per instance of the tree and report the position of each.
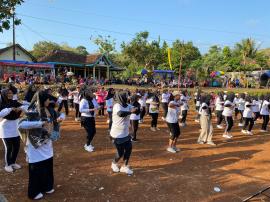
(187, 51)
(6, 13)
(82, 50)
(43, 48)
(106, 44)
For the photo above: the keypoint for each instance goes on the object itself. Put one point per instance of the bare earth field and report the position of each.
(239, 167)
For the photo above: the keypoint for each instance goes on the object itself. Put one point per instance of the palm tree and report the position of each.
(247, 48)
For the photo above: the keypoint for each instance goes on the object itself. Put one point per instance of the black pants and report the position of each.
(40, 177)
(229, 123)
(12, 147)
(71, 104)
(241, 114)
(142, 114)
(89, 125)
(164, 106)
(101, 109)
(123, 150)
(154, 119)
(249, 122)
(110, 118)
(77, 112)
(134, 128)
(147, 108)
(236, 112)
(265, 121)
(184, 116)
(256, 115)
(65, 103)
(219, 117)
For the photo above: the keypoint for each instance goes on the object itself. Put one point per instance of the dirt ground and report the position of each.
(239, 167)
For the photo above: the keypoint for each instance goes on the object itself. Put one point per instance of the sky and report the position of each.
(204, 22)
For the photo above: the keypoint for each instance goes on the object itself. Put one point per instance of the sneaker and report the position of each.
(134, 140)
(170, 149)
(9, 169)
(50, 192)
(16, 166)
(115, 167)
(182, 124)
(220, 126)
(264, 131)
(240, 124)
(91, 146)
(157, 129)
(163, 118)
(39, 196)
(153, 129)
(244, 131)
(140, 121)
(200, 142)
(211, 143)
(88, 148)
(227, 136)
(249, 133)
(108, 121)
(126, 169)
(176, 149)
(197, 121)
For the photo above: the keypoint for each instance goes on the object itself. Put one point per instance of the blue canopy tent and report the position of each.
(164, 74)
(265, 78)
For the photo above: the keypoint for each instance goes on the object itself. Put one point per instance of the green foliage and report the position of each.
(43, 48)
(6, 9)
(106, 44)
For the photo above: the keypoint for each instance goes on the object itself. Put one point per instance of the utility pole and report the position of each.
(13, 21)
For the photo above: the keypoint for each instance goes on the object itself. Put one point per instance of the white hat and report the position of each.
(175, 93)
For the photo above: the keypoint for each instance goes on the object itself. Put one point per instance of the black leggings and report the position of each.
(123, 150)
(184, 116)
(241, 114)
(40, 177)
(165, 108)
(236, 112)
(12, 147)
(154, 120)
(77, 112)
(101, 109)
(256, 115)
(110, 120)
(134, 128)
(219, 117)
(65, 103)
(89, 125)
(249, 122)
(71, 103)
(229, 123)
(147, 108)
(265, 121)
(142, 114)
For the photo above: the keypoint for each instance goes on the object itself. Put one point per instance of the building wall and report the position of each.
(20, 55)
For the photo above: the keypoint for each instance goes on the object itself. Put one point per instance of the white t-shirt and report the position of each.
(248, 111)
(41, 153)
(153, 107)
(142, 101)
(76, 97)
(172, 115)
(135, 117)
(227, 110)
(109, 104)
(84, 108)
(120, 125)
(204, 112)
(235, 102)
(256, 106)
(165, 97)
(265, 108)
(241, 104)
(184, 99)
(219, 104)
